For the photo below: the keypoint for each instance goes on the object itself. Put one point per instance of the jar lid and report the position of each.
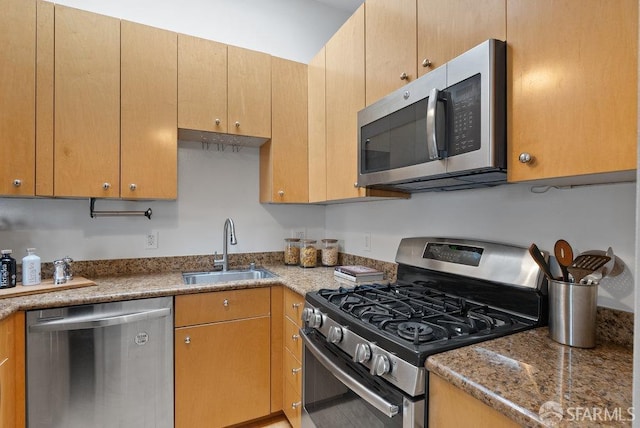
(292, 239)
(309, 241)
(330, 241)
(6, 251)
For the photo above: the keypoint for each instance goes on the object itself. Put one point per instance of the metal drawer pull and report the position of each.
(295, 305)
(295, 336)
(296, 405)
(187, 340)
(225, 303)
(296, 371)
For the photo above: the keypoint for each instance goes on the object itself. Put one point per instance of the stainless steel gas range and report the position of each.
(365, 347)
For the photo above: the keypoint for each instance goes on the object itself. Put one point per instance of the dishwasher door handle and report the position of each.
(98, 321)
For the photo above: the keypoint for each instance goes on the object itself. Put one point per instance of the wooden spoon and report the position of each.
(564, 255)
(538, 257)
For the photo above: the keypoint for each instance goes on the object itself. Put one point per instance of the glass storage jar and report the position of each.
(329, 252)
(291, 251)
(308, 253)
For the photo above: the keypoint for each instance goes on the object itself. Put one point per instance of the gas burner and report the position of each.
(415, 331)
(456, 328)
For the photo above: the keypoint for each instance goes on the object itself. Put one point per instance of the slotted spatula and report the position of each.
(585, 264)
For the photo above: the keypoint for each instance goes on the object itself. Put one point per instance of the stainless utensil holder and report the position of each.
(572, 313)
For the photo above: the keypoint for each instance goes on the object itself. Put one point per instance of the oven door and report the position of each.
(338, 392)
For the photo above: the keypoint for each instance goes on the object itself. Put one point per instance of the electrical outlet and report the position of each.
(367, 241)
(151, 242)
(298, 233)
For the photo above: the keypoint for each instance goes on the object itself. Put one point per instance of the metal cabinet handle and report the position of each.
(237, 124)
(295, 336)
(17, 182)
(296, 305)
(106, 186)
(426, 63)
(404, 76)
(296, 405)
(525, 157)
(296, 371)
(281, 192)
(217, 121)
(132, 187)
(187, 340)
(225, 303)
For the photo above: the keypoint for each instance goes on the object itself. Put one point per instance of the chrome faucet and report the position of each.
(229, 235)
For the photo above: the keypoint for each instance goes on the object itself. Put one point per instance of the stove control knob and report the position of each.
(381, 365)
(312, 318)
(335, 334)
(363, 353)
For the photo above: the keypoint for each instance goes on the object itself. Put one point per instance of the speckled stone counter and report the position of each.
(138, 286)
(519, 374)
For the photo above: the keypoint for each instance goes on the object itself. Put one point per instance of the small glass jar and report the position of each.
(291, 251)
(329, 252)
(308, 253)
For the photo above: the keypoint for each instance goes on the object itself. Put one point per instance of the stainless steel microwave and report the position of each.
(444, 131)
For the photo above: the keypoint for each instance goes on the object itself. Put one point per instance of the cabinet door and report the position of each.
(390, 40)
(149, 150)
(87, 104)
(284, 173)
(222, 373)
(448, 28)
(44, 99)
(555, 112)
(17, 102)
(317, 129)
(345, 96)
(249, 92)
(202, 84)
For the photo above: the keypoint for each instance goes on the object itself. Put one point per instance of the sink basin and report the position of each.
(194, 278)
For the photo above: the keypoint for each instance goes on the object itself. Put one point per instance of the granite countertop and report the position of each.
(538, 382)
(516, 374)
(138, 286)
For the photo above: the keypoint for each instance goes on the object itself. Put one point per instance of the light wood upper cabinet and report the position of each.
(448, 28)
(345, 96)
(572, 87)
(284, 159)
(44, 99)
(317, 123)
(17, 102)
(87, 104)
(390, 41)
(202, 84)
(222, 368)
(249, 92)
(149, 152)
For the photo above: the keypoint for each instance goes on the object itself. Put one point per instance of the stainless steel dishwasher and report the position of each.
(102, 365)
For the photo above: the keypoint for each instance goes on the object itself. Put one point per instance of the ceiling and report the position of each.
(345, 5)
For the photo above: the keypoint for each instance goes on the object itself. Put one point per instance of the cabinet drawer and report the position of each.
(293, 305)
(292, 340)
(293, 371)
(222, 306)
(292, 405)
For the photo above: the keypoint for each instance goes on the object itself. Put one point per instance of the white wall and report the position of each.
(589, 217)
(291, 29)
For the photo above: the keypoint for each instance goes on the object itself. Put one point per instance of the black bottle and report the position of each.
(7, 270)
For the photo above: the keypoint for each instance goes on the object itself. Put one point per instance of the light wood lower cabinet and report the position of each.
(450, 406)
(222, 368)
(292, 359)
(12, 404)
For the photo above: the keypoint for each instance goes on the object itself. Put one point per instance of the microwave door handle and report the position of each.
(365, 393)
(432, 133)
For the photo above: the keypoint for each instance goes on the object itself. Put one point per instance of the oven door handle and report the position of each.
(376, 401)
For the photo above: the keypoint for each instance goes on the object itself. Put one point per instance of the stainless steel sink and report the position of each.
(194, 278)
